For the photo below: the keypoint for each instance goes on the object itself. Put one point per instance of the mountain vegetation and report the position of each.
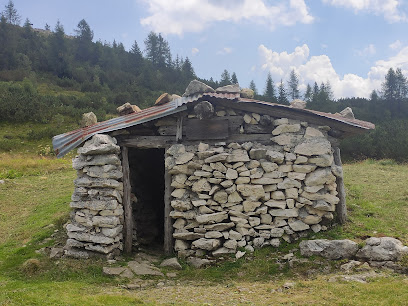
(46, 74)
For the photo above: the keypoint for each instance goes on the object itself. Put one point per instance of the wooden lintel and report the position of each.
(147, 142)
(127, 203)
(179, 131)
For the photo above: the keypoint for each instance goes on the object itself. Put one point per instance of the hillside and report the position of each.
(50, 78)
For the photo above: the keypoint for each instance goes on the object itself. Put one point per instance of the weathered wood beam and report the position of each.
(147, 142)
(127, 203)
(179, 131)
(168, 222)
(341, 208)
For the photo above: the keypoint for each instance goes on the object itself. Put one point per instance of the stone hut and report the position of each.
(205, 174)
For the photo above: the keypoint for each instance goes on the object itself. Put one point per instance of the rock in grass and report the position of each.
(172, 263)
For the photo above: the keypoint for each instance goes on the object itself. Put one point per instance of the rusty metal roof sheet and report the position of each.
(337, 117)
(66, 142)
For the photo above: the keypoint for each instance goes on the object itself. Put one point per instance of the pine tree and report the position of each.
(225, 78)
(308, 94)
(10, 13)
(316, 91)
(58, 50)
(293, 85)
(234, 79)
(84, 36)
(253, 87)
(187, 69)
(269, 93)
(282, 97)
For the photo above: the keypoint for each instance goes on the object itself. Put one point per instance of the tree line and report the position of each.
(45, 73)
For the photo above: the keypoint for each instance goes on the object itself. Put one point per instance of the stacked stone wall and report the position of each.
(231, 195)
(97, 217)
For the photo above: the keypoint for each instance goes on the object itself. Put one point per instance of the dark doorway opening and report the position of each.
(147, 181)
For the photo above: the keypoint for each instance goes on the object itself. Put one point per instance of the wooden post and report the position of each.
(179, 132)
(341, 208)
(127, 203)
(168, 224)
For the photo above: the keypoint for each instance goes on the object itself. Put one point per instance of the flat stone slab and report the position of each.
(144, 269)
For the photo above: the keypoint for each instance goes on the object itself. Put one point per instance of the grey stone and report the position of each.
(144, 269)
(332, 249)
(289, 183)
(312, 132)
(298, 226)
(234, 88)
(320, 177)
(56, 253)
(184, 158)
(313, 146)
(347, 113)
(212, 218)
(99, 144)
(288, 213)
(187, 236)
(79, 161)
(201, 186)
(95, 204)
(287, 139)
(219, 226)
(277, 232)
(206, 244)
(286, 128)
(247, 93)
(216, 158)
(253, 192)
(196, 87)
(113, 270)
(297, 103)
(275, 156)
(324, 160)
(238, 156)
(171, 263)
(198, 262)
(382, 249)
(222, 251)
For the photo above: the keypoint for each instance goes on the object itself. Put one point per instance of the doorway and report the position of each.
(148, 183)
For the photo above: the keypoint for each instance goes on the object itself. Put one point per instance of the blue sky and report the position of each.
(350, 43)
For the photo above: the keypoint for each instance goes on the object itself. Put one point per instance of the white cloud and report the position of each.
(194, 51)
(320, 69)
(388, 8)
(180, 16)
(396, 45)
(367, 51)
(225, 50)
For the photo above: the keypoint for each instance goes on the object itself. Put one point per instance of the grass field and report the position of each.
(34, 206)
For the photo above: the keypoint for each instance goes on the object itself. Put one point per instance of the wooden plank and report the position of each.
(341, 208)
(261, 138)
(147, 142)
(168, 222)
(127, 203)
(207, 129)
(179, 131)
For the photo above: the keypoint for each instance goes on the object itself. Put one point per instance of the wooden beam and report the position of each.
(147, 142)
(127, 203)
(206, 129)
(341, 208)
(168, 222)
(179, 132)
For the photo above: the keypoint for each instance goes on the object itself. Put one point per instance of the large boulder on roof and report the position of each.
(163, 99)
(128, 108)
(88, 119)
(234, 88)
(197, 87)
(297, 103)
(347, 113)
(247, 93)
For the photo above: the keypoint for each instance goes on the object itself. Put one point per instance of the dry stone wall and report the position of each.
(231, 195)
(97, 217)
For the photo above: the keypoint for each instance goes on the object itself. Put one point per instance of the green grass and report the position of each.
(34, 207)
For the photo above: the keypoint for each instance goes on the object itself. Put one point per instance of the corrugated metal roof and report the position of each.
(66, 142)
(337, 117)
